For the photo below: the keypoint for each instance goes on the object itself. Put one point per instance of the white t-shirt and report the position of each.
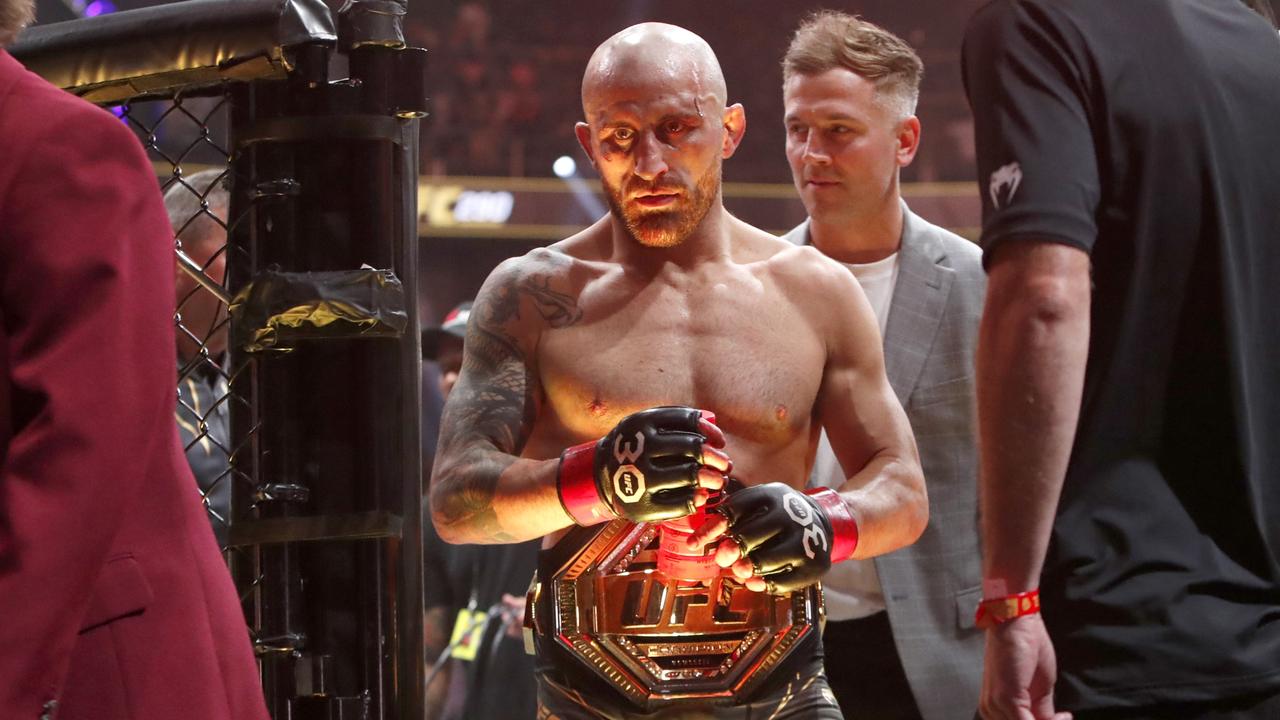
(852, 588)
(878, 280)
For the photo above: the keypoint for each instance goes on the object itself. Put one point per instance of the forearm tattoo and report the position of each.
(492, 408)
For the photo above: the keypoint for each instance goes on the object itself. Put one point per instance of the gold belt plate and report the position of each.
(660, 640)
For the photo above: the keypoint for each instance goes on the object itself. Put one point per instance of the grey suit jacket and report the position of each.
(932, 587)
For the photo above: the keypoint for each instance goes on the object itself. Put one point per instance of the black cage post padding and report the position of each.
(119, 56)
(325, 178)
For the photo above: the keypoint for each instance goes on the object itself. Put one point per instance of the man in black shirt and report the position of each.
(1129, 356)
(475, 601)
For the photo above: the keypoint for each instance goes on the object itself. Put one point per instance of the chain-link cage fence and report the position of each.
(184, 141)
(185, 135)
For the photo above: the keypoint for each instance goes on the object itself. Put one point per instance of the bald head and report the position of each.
(657, 131)
(654, 55)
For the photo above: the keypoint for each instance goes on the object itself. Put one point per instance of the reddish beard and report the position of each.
(668, 226)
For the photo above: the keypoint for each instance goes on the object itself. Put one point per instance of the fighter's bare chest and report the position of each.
(756, 362)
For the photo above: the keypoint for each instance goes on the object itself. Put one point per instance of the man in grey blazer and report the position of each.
(900, 638)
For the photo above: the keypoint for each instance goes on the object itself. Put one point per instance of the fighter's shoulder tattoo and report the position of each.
(559, 309)
(540, 278)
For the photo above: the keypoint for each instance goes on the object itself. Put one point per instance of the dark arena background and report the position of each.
(382, 156)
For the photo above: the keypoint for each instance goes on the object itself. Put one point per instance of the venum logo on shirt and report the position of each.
(1003, 184)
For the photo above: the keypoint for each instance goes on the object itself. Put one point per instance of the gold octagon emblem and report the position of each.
(660, 640)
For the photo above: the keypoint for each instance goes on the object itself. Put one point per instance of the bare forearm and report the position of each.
(1030, 373)
(490, 497)
(889, 502)
(481, 490)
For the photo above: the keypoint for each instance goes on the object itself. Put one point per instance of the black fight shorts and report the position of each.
(801, 693)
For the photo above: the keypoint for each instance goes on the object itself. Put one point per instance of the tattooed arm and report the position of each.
(481, 490)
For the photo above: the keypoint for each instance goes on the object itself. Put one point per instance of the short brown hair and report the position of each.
(830, 39)
(15, 15)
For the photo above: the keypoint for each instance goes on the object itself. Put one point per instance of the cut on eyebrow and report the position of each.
(631, 122)
(682, 117)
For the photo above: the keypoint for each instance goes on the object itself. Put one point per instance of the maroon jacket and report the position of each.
(114, 600)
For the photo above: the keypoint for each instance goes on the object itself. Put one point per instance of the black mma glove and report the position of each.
(644, 470)
(791, 538)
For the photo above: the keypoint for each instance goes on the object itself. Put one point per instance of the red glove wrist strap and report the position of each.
(1003, 609)
(844, 528)
(576, 486)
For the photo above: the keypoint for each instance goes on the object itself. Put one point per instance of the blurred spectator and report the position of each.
(197, 208)
(520, 106)
(465, 136)
(470, 31)
(443, 345)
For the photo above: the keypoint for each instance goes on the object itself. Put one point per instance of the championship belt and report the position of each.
(657, 638)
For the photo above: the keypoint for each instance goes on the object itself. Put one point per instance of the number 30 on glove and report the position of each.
(657, 464)
(789, 538)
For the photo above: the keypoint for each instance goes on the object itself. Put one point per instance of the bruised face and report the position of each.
(657, 131)
(657, 175)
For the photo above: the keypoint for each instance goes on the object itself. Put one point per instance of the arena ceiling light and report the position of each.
(81, 8)
(564, 167)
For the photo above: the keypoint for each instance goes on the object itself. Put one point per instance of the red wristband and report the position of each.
(576, 486)
(1003, 609)
(844, 529)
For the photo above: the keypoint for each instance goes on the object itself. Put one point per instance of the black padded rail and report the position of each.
(152, 50)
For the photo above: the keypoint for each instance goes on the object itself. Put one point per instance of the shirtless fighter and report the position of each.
(625, 373)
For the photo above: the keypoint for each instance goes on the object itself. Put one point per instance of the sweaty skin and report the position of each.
(669, 300)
